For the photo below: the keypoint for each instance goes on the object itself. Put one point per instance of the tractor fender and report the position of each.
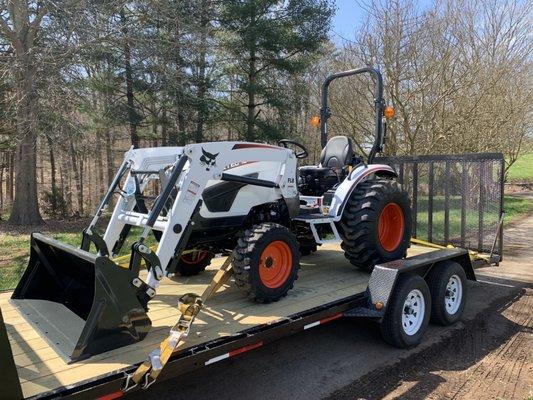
(358, 174)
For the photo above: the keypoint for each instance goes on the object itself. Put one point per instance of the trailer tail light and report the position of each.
(379, 305)
(112, 396)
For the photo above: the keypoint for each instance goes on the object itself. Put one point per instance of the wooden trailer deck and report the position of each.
(325, 276)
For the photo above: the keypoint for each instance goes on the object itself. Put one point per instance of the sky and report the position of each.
(348, 17)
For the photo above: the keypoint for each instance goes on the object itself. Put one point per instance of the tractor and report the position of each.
(247, 200)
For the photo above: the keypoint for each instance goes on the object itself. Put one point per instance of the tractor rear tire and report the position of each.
(266, 262)
(376, 224)
(193, 263)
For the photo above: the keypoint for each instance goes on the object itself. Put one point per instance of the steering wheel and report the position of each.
(286, 142)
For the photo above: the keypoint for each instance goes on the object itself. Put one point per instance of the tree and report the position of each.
(20, 22)
(269, 41)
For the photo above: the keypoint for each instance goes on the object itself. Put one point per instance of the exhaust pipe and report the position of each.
(81, 303)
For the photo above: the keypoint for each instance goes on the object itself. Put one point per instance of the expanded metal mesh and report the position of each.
(456, 199)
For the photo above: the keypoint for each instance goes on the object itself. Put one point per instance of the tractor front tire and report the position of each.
(266, 262)
(191, 264)
(376, 224)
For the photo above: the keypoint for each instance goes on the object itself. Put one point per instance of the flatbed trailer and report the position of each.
(328, 288)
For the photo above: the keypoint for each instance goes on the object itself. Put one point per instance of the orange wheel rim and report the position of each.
(391, 226)
(275, 264)
(194, 257)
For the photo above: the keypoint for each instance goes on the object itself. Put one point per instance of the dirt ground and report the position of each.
(490, 358)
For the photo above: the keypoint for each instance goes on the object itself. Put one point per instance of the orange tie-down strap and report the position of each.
(189, 306)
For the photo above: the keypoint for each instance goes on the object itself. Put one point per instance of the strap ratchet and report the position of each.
(189, 306)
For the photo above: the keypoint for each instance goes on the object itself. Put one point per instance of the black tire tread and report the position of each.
(193, 269)
(243, 254)
(358, 221)
(437, 281)
(391, 325)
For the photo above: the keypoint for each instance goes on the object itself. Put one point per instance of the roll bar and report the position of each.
(325, 112)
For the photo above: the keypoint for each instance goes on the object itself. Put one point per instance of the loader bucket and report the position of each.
(81, 303)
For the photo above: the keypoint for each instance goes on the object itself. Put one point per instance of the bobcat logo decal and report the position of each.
(208, 160)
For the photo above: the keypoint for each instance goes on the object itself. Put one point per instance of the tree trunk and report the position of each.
(25, 209)
(77, 176)
(202, 79)
(53, 180)
(2, 166)
(10, 177)
(132, 115)
(251, 88)
(164, 134)
(100, 183)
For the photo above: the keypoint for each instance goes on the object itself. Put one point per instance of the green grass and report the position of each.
(16, 248)
(522, 169)
(515, 208)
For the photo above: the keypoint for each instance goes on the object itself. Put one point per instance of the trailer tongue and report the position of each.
(81, 303)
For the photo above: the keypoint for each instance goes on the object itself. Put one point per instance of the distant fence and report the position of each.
(456, 199)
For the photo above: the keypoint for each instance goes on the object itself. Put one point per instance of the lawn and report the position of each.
(16, 247)
(515, 208)
(522, 169)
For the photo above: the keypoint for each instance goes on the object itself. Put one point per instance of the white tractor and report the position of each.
(246, 199)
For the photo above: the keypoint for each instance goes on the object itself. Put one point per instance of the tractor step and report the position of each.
(320, 219)
(323, 218)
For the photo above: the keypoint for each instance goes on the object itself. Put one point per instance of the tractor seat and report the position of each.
(337, 154)
(335, 157)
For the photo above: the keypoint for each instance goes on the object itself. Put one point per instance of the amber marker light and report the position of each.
(388, 112)
(379, 305)
(315, 121)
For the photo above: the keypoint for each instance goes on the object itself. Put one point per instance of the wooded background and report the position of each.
(81, 81)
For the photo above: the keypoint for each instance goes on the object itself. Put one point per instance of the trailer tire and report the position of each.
(188, 266)
(448, 288)
(375, 226)
(407, 316)
(266, 262)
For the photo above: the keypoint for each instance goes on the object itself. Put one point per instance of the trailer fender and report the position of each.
(385, 276)
(358, 174)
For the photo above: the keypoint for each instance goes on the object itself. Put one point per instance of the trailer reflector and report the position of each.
(112, 396)
(322, 321)
(235, 352)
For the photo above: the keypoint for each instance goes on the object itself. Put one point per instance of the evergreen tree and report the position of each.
(269, 41)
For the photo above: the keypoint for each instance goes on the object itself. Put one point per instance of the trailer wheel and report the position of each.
(266, 262)
(193, 263)
(376, 224)
(407, 315)
(448, 288)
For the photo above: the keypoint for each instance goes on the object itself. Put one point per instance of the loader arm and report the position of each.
(202, 163)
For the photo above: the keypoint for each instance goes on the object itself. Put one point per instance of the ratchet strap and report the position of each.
(189, 306)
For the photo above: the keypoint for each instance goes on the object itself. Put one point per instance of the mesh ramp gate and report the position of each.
(456, 199)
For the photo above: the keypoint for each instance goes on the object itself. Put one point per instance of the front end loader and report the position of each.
(85, 303)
